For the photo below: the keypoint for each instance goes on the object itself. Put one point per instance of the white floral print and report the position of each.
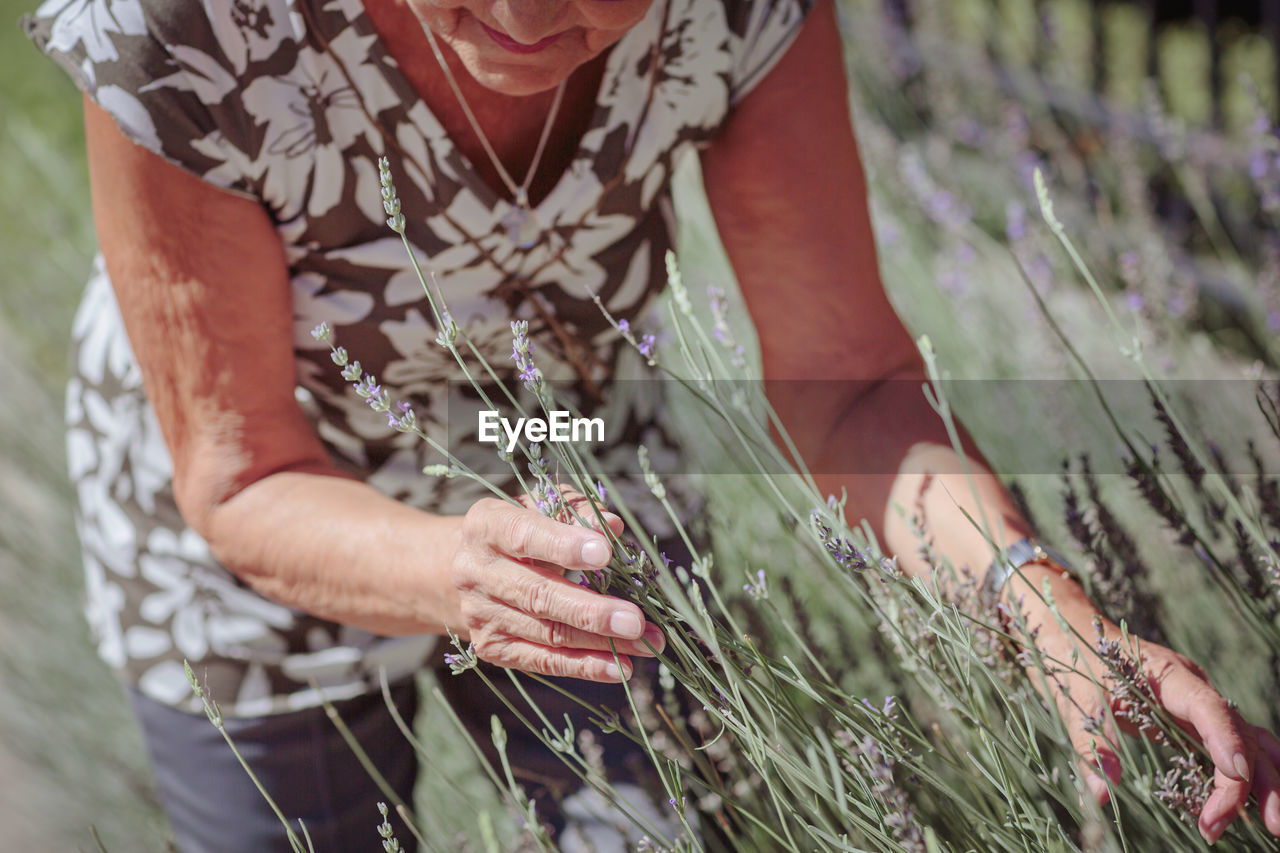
(290, 103)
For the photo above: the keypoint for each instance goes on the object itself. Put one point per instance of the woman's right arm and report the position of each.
(202, 283)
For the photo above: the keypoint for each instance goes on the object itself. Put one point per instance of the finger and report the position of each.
(1097, 751)
(590, 510)
(525, 534)
(558, 635)
(1266, 787)
(586, 511)
(563, 663)
(1269, 744)
(1231, 741)
(1224, 805)
(544, 594)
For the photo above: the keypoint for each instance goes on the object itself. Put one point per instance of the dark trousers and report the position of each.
(312, 774)
(300, 759)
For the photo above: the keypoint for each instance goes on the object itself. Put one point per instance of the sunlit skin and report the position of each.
(213, 330)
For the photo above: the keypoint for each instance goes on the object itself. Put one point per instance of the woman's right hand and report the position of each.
(520, 611)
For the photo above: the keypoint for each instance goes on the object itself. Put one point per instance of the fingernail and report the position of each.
(1241, 765)
(612, 670)
(596, 553)
(655, 638)
(626, 624)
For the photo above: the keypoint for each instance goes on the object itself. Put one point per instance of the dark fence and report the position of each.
(1214, 16)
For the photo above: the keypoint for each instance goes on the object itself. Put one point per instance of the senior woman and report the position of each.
(240, 508)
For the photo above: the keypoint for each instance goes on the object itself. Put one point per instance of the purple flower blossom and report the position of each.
(464, 660)
(647, 344)
(968, 131)
(405, 421)
(840, 548)
(759, 588)
(521, 347)
(887, 234)
(624, 326)
(1015, 214)
(1134, 300)
(600, 491)
(1259, 164)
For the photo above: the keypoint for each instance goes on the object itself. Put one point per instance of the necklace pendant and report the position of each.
(522, 227)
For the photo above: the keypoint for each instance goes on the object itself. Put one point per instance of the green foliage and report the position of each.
(964, 729)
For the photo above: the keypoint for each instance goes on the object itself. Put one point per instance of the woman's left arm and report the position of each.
(786, 186)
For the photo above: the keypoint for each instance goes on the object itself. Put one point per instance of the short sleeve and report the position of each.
(760, 33)
(176, 99)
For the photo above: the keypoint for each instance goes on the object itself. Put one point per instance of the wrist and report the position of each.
(1025, 592)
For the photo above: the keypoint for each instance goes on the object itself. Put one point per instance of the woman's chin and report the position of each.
(510, 76)
(517, 81)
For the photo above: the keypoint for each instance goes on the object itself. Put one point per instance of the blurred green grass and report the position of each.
(69, 756)
(69, 753)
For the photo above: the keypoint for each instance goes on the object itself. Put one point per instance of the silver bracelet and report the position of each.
(1014, 557)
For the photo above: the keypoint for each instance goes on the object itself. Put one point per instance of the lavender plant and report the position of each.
(781, 754)
(761, 729)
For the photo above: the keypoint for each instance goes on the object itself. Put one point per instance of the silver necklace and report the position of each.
(521, 222)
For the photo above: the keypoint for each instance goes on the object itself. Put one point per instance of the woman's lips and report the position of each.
(508, 43)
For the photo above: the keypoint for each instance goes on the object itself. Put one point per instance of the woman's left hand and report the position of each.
(1246, 757)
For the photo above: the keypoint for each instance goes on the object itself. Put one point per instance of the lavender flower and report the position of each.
(464, 660)
(521, 347)
(650, 478)
(448, 330)
(1185, 787)
(389, 842)
(1264, 154)
(758, 588)
(1132, 694)
(646, 345)
(378, 398)
(676, 282)
(846, 555)
(1015, 228)
(390, 201)
(322, 333)
(405, 421)
(900, 816)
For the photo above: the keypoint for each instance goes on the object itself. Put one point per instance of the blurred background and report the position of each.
(1154, 123)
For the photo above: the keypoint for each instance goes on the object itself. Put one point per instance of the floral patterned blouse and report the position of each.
(291, 103)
